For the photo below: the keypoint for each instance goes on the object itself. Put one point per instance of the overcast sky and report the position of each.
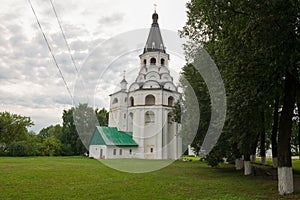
(30, 83)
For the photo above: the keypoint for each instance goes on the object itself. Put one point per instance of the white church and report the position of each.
(140, 121)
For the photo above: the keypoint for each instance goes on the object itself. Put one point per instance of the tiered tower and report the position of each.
(145, 108)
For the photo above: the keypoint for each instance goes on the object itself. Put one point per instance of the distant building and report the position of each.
(141, 114)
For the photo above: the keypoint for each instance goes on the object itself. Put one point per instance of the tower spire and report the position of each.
(123, 82)
(154, 41)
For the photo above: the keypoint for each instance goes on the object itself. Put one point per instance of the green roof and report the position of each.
(110, 136)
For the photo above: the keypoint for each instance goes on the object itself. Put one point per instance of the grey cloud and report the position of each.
(111, 20)
(79, 45)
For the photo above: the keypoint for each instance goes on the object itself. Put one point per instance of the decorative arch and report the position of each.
(151, 84)
(162, 62)
(150, 100)
(170, 101)
(153, 76)
(149, 117)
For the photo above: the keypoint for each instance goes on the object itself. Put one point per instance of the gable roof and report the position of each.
(110, 136)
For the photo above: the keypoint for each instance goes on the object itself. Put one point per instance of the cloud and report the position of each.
(30, 83)
(111, 20)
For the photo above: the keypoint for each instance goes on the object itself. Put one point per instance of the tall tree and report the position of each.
(71, 142)
(102, 116)
(256, 46)
(197, 103)
(78, 126)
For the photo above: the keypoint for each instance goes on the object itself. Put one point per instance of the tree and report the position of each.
(51, 146)
(13, 128)
(78, 126)
(51, 130)
(102, 116)
(256, 46)
(196, 102)
(70, 136)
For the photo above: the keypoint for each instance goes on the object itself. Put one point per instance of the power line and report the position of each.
(64, 36)
(48, 45)
(68, 47)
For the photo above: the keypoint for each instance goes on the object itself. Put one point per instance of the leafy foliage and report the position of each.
(13, 128)
(255, 44)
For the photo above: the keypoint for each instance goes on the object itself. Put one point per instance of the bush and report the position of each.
(24, 148)
(17, 148)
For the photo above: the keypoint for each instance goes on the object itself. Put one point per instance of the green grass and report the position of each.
(84, 178)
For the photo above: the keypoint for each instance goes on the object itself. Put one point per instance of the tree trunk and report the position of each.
(274, 133)
(298, 106)
(247, 165)
(263, 140)
(285, 173)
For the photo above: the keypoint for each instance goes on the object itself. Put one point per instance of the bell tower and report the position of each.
(145, 107)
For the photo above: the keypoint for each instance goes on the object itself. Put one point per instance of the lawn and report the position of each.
(84, 178)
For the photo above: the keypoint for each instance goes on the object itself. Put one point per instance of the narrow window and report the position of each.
(162, 62)
(120, 152)
(130, 151)
(115, 152)
(151, 150)
(170, 101)
(131, 101)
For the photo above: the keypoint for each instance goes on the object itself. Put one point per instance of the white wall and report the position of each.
(95, 151)
(125, 152)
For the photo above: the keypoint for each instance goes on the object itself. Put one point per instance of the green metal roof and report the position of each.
(112, 137)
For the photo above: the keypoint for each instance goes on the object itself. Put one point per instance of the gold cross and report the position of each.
(155, 5)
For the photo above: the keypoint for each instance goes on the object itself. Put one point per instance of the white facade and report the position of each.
(105, 152)
(145, 107)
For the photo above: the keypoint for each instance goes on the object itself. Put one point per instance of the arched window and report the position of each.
(170, 101)
(152, 61)
(145, 61)
(131, 101)
(115, 101)
(150, 100)
(162, 62)
(149, 117)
